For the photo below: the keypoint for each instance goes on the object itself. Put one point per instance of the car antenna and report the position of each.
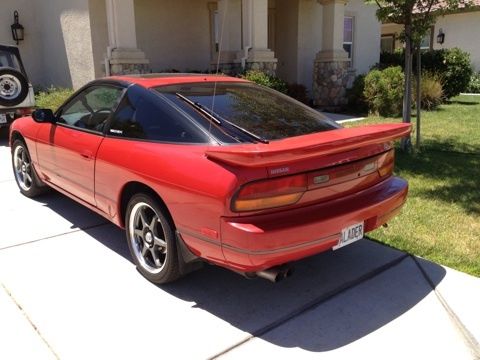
(218, 60)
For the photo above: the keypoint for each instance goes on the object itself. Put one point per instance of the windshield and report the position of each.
(255, 109)
(7, 59)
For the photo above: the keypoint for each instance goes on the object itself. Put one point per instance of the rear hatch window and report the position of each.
(266, 113)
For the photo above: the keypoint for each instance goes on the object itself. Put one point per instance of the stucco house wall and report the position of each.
(68, 50)
(30, 48)
(57, 48)
(178, 38)
(461, 30)
(366, 47)
(99, 30)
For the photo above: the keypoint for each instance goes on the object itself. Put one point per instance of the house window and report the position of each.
(348, 36)
(387, 43)
(426, 43)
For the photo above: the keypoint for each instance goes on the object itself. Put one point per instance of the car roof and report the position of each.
(160, 79)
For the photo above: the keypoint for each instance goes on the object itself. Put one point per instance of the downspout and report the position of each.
(247, 48)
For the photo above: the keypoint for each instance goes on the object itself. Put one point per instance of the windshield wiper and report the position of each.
(218, 121)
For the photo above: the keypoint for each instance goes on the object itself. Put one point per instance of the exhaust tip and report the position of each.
(276, 273)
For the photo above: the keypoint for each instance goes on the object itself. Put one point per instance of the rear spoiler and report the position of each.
(307, 146)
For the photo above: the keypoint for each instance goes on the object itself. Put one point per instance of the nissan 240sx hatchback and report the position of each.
(211, 168)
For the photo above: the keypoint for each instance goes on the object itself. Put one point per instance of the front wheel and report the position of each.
(25, 176)
(151, 239)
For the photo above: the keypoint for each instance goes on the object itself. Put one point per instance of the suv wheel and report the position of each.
(13, 87)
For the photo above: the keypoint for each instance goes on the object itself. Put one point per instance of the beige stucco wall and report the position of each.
(299, 37)
(30, 48)
(309, 40)
(462, 31)
(67, 46)
(175, 38)
(99, 28)
(57, 48)
(366, 35)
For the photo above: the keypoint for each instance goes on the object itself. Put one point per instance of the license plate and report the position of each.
(3, 118)
(349, 235)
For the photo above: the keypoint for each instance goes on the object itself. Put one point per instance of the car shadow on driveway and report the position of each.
(340, 296)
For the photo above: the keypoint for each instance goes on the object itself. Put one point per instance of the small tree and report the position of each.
(417, 17)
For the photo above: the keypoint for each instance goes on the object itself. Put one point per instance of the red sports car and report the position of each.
(211, 168)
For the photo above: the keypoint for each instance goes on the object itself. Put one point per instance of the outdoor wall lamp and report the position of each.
(440, 37)
(17, 28)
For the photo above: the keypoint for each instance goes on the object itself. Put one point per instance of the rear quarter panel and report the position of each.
(195, 190)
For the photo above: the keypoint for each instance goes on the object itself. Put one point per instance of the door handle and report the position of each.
(87, 155)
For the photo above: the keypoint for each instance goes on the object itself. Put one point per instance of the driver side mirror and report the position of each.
(44, 116)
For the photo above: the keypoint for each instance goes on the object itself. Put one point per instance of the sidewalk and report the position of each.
(68, 290)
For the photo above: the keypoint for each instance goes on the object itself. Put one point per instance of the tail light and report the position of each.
(270, 193)
(386, 163)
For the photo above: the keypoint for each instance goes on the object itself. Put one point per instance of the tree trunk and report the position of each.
(407, 95)
(419, 95)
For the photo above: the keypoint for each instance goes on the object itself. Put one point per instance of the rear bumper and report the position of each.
(262, 241)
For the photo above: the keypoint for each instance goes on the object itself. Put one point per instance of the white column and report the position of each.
(255, 33)
(123, 54)
(332, 31)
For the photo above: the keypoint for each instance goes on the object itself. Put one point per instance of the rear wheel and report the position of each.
(25, 176)
(151, 239)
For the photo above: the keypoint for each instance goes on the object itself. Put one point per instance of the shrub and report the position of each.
(52, 97)
(452, 65)
(264, 79)
(474, 85)
(431, 91)
(384, 91)
(457, 72)
(355, 96)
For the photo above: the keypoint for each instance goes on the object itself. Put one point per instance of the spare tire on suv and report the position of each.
(13, 87)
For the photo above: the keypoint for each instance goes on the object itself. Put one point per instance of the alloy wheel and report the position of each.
(147, 238)
(23, 168)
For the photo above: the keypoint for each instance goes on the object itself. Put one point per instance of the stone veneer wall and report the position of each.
(235, 68)
(126, 69)
(330, 82)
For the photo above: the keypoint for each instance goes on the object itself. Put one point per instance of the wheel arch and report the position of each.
(135, 187)
(15, 135)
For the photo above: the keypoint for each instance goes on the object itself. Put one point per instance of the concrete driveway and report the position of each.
(69, 290)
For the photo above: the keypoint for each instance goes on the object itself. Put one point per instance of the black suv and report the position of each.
(16, 93)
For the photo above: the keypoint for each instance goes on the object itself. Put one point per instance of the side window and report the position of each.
(149, 117)
(91, 108)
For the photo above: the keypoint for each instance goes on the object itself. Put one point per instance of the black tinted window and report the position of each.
(142, 114)
(261, 111)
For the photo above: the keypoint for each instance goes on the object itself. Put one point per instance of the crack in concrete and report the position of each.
(56, 235)
(313, 304)
(32, 324)
(468, 338)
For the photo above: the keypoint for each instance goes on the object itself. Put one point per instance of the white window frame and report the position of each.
(352, 42)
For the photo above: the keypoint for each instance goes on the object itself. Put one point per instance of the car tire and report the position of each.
(13, 87)
(25, 175)
(151, 239)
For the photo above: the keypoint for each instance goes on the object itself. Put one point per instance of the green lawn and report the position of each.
(441, 219)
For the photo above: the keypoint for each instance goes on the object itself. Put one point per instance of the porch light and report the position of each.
(440, 37)
(17, 28)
